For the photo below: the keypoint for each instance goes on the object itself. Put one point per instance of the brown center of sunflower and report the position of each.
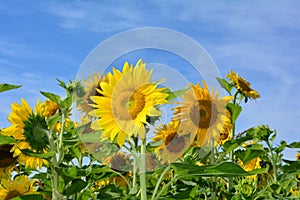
(128, 105)
(244, 85)
(6, 157)
(203, 113)
(174, 143)
(12, 194)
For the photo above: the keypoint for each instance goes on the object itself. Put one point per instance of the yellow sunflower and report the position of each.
(173, 145)
(118, 161)
(251, 165)
(90, 89)
(128, 98)
(47, 108)
(202, 113)
(20, 186)
(226, 131)
(19, 115)
(7, 161)
(242, 85)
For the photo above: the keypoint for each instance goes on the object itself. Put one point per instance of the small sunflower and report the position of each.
(118, 161)
(128, 98)
(47, 108)
(202, 113)
(242, 85)
(226, 131)
(251, 165)
(173, 145)
(92, 85)
(20, 186)
(7, 161)
(22, 118)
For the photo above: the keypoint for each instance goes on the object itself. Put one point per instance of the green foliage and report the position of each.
(5, 87)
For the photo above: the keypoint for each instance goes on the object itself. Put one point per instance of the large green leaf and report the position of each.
(76, 186)
(224, 84)
(226, 169)
(6, 140)
(6, 87)
(294, 145)
(235, 111)
(51, 96)
(174, 94)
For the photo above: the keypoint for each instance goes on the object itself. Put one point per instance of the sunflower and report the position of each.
(90, 89)
(47, 108)
(128, 98)
(226, 131)
(20, 119)
(251, 165)
(7, 161)
(242, 85)
(203, 114)
(20, 186)
(173, 145)
(118, 161)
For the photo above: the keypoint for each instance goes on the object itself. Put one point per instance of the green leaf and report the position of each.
(174, 94)
(224, 84)
(51, 121)
(47, 155)
(292, 167)
(76, 186)
(66, 103)
(294, 145)
(248, 155)
(226, 169)
(29, 197)
(235, 111)
(53, 97)
(6, 140)
(5, 87)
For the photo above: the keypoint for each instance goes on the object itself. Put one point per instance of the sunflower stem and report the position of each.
(272, 158)
(143, 170)
(212, 161)
(159, 181)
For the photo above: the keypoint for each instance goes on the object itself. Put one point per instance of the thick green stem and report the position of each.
(212, 161)
(143, 170)
(159, 182)
(272, 158)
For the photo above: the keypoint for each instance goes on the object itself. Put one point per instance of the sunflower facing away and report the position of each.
(20, 186)
(202, 114)
(242, 85)
(128, 98)
(251, 165)
(90, 87)
(20, 120)
(173, 145)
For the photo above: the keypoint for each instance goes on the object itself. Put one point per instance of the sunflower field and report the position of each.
(102, 140)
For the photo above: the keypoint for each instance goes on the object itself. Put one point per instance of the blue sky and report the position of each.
(44, 40)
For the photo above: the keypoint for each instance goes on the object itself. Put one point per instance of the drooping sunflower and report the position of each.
(242, 85)
(203, 114)
(118, 161)
(20, 118)
(92, 85)
(20, 186)
(173, 145)
(128, 98)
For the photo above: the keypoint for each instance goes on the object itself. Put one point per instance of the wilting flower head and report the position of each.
(242, 85)
(128, 98)
(203, 114)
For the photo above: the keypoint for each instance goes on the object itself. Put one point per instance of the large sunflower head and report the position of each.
(92, 85)
(173, 145)
(202, 114)
(20, 186)
(242, 85)
(28, 129)
(129, 97)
